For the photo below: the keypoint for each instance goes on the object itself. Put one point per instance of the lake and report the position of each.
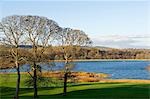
(116, 69)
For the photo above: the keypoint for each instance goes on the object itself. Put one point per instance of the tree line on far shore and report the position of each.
(77, 53)
(100, 53)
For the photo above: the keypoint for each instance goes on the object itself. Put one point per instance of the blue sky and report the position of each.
(119, 23)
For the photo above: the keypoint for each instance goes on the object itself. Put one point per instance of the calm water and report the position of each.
(116, 69)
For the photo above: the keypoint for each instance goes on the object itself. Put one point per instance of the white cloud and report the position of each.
(122, 41)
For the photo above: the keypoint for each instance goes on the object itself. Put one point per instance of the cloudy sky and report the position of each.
(110, 23)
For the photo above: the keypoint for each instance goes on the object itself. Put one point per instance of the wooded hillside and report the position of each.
(101, 53)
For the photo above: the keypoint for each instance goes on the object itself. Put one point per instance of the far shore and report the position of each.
(126, 81)
(80, 60)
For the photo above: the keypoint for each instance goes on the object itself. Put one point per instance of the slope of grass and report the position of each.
(89, 90)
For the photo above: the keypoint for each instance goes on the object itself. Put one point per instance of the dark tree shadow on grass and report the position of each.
(122, 92)
(140, 91)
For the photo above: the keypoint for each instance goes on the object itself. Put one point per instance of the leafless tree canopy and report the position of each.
(11, 27)
(73, 37)
(39, 30)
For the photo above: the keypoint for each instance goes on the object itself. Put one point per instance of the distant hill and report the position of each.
(104, 48)
(99, 47)
(25, 46)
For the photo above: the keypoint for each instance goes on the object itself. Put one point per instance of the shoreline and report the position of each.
(85, 60)
(104, 79)
(126, 81)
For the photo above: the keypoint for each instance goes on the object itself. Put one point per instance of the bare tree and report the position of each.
(39, 32)
(12, 37)
(68, 39)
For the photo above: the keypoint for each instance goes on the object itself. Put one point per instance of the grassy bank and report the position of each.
(107, 90)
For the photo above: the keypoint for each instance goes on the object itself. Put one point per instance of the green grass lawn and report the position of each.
(82, 90)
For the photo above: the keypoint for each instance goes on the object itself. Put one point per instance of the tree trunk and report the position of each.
(35, 81)
(18, 82)
(65, 84)
(65, 74)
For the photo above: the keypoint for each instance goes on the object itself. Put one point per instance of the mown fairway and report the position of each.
(81, 90)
